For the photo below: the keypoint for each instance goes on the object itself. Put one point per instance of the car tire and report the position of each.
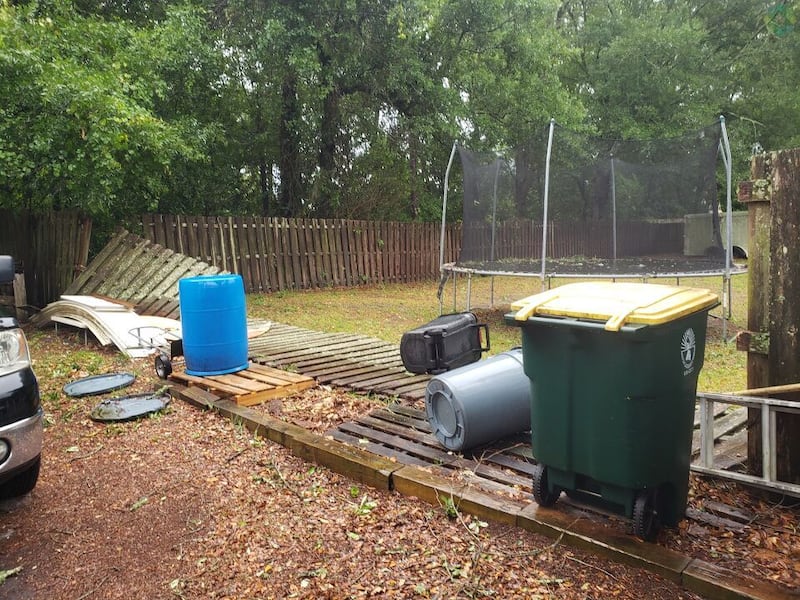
(22, 482)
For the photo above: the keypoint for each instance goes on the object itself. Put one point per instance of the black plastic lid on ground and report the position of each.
(128, 407)
(98, 384)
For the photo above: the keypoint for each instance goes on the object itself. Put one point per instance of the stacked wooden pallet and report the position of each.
(255, 385)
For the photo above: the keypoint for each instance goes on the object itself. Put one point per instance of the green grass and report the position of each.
(387, 311)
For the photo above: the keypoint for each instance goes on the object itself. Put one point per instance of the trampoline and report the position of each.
(567, 205)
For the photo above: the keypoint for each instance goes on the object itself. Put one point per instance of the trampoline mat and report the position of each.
(661, 266)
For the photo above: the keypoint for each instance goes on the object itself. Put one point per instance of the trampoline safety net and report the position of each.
(595, 207)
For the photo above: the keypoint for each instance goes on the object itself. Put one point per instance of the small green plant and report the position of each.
(51, 397)
(239, 425)
(365, 506)
(5, 574)
(449, 506)
(354, 491)
(114, 429)
(139, 503)
(475, 526)
(86, 360)
(70, 411)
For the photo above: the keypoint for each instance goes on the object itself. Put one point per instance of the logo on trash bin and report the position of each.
(688, 349)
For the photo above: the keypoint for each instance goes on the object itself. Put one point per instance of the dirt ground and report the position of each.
(186, 504)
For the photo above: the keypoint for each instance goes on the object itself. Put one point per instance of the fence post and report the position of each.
(758, 214)
(20, 297)
(784, 311)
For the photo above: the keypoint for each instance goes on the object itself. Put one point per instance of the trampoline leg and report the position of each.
(455, 291)
(726, 291)
(469, 291)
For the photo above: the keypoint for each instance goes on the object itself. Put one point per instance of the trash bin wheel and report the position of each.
(645, 518)
(541, 493)
(163, 366)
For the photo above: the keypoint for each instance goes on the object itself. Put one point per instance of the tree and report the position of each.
(80, 126)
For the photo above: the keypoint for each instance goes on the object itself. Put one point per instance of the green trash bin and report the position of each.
(613, 370)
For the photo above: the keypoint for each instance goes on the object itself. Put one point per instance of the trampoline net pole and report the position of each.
(727, 309)
(613, 208)
(494, 229)
(546, 198)
(444, 206)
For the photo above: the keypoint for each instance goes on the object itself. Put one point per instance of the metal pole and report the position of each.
(726, 158)
(494, 228)
(614, 206)
(546, 196)
(444, 206)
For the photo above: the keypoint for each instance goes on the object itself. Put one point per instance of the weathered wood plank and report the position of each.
(277, 374)
(404, 382)
(97, 264)
(249, 387)
(487, 476)
(371, 356)
(243, 384)
(330, 345)
(415, 391)
(361, 378)
(375, 354)
(438, 491)
(395, 413)
(733, 421)
(378, 449)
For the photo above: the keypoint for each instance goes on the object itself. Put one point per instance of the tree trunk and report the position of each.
(322, 198)
(291, 194)
(264, 168)
(413, 197)
(265, 186)
(784, 317)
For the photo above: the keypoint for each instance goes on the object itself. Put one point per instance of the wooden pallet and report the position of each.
(254, 385)
(403, 434)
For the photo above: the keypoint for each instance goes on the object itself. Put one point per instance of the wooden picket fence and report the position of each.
(49, 248)
(522, 239)
(273, 254)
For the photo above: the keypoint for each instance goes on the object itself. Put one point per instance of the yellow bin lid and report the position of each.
(617, 303)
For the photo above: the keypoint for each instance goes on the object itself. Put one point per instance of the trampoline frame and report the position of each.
(545, 277)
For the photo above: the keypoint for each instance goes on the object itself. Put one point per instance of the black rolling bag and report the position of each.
(445, 343)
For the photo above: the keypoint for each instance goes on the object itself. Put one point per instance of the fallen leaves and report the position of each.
(207, 510)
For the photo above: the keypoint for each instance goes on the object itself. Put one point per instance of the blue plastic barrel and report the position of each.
(213, 324)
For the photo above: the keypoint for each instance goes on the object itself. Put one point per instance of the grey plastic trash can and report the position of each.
(481, 402)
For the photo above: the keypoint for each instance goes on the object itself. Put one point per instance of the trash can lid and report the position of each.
(616, 303)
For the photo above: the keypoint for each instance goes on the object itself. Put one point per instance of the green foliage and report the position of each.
(350, 109)
(79, 127)
(449, 506)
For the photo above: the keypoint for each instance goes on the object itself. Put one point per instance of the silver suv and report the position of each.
(21, 414)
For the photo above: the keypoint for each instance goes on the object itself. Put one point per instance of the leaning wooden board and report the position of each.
(254, 385)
